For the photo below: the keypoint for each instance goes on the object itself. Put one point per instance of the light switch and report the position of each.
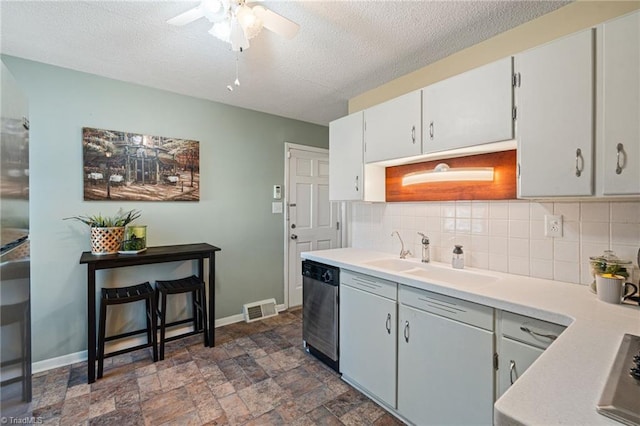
(276, 207)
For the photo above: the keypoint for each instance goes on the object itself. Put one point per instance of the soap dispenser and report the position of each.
(458, 258)
(425, 248)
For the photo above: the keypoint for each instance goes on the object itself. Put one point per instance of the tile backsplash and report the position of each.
(506, 236)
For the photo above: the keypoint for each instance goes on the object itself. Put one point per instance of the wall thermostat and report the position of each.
(277, 192)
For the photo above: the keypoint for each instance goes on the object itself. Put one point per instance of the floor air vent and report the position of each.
(259, 310)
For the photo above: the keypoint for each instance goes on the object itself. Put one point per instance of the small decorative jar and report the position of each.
(135, 238)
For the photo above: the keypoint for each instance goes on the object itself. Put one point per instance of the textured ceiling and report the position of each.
(343, 48)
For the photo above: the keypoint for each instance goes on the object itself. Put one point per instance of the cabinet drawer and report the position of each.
(448, 307)
(530, 330)
(371, 284)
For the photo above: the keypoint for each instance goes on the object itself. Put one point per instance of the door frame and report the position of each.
(287, 147)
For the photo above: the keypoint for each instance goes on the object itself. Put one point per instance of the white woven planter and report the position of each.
(106, 240)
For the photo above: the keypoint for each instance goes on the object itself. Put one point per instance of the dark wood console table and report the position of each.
(159, 254)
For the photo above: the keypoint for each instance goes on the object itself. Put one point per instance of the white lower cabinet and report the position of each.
(445, 360)
(368, 332)
(514, 359)
(522, 341)
(430, 358)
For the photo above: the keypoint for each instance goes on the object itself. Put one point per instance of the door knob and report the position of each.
(294, 237)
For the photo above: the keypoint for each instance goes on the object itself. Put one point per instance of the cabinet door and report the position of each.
(393, 128)
(445, 370)
(368, 334)
(469, 109)
(513, 360)
(621, 105)
(555, 113)
(345, 158)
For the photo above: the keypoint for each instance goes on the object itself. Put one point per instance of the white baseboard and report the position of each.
(81, 356)
(60, 361)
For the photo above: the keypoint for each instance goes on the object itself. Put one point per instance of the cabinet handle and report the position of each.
(620, 166)
(431, 130)
(413, 134)
(406, 331)
(357, 189)
(512, 369)
(533, 333)
(579, 162)
(388, 324)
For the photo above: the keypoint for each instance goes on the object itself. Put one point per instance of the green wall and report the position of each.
(241, 157)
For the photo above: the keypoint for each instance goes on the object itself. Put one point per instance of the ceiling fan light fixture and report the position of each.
(251, 24)
(213, 10)
(237, 36)
(221, 31)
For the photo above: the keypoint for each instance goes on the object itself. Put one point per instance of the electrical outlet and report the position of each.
(552, 225)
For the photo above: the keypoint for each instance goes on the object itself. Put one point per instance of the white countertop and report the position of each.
(564, 385)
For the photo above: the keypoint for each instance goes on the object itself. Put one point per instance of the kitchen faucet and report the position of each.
(403, 253)
(425, 248)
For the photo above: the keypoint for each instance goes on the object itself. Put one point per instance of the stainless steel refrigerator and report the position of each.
(15, 293)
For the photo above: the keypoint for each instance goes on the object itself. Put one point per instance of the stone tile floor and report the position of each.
(257, 374)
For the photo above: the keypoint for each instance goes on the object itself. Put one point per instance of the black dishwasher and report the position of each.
(320, 313)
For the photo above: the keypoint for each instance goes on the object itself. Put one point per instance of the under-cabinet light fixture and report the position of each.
(443, 173)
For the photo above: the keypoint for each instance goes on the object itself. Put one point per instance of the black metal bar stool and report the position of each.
(193, 285)
(118, 296)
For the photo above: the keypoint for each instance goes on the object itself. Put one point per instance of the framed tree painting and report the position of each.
(134, 167)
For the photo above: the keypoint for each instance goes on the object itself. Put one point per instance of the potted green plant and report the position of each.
(107, 232)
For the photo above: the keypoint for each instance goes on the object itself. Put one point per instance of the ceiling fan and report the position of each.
(234, 22)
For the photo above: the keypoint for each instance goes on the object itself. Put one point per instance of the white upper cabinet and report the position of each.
(345, 158)
(471, 108)
(555, 117)
(620, 115)
(393, 128)
(349, 178)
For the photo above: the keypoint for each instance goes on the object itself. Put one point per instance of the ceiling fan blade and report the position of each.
(276, 23)
(187, 17)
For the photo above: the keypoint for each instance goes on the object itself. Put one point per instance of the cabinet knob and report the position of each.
(512, 369)
(406, 331)
(413, 134)
(357, 187)
(388, 324)
(431, 130)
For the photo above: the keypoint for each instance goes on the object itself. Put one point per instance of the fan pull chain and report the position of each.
(237, 80)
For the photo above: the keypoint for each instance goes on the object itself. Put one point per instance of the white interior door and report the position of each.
(312, 220)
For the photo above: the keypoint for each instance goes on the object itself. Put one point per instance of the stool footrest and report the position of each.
(131, 349)
(123, 335)
(190, 333)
